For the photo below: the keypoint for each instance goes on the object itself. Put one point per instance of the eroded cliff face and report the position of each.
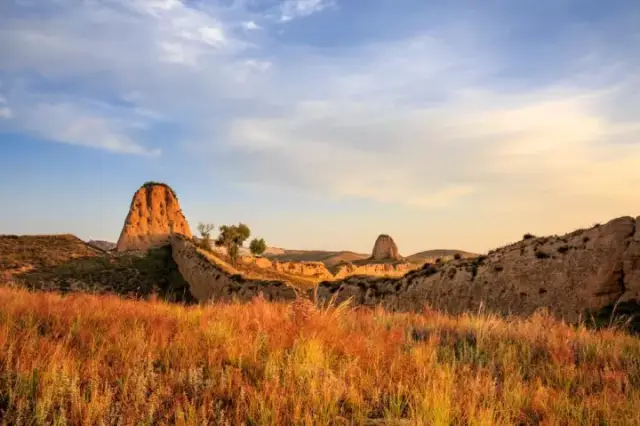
(398, 269)
(208, 282)
(154, 215)
(586, 270)
(305, 269)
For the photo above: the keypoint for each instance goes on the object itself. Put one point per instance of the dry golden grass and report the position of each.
(83, 359)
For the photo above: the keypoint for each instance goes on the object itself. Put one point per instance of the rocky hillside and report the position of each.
(102, 245)
(154, 214)
(209, 280)
(584, 272)
(28, 252)
(64, 263)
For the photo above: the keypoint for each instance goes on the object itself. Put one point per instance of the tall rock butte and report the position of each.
(385, 249)
(154, 215)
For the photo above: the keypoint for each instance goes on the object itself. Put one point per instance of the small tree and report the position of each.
(205, 235)
(232, 237)
(257, 246)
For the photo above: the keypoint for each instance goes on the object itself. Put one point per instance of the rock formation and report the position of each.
(102, 245)
(154, 215)
(396, 269)
(581, 272)
(385, 249)
(208, 282)
(305, 269)
(572, 276)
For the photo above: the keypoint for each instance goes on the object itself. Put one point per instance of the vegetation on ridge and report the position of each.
(257, 246)
(232, 237)
(83, 359)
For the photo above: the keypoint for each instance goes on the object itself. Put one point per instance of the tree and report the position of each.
(232, 237)
(205, 235)
(257, 246)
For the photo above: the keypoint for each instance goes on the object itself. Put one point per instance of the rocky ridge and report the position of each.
(583, 271)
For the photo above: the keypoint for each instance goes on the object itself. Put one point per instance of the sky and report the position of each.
(323, 123)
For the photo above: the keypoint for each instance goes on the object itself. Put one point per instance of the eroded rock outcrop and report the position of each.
(396, 269)
(584, 271)
(305, 269)
(154, 215)
(260, 262)
(208, 282)
(571, 275)
(385, 249)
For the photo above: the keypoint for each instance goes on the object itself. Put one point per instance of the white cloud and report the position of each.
(419, 122)
(64, 123)
(439, 156)
(251, 25)
(292, 9)
(5, 111)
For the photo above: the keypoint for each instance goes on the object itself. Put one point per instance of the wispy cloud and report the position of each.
(428, 120)
(5, 111)
(251, 25)
(292, 9)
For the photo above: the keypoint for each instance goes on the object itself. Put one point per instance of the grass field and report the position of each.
(87, 359)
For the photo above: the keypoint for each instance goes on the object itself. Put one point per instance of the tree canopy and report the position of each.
(257, 246)
(232, 237)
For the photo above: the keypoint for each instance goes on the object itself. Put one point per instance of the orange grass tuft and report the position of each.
(83, 359)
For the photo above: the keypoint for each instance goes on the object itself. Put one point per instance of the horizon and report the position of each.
(319, 123)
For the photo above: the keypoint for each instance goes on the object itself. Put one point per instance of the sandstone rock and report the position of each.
(102, 245)
(154, 215)
(208, 282)
(385, 249)
(260, 262)
(396, 269)
(571, 276)
(305, 269)
(584, 271)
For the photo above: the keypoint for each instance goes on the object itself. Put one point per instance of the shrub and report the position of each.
(232, 237)
(205, 235)
(542, 254)
(257, 246)
(457, 256)
(528, 236)
(563, 249)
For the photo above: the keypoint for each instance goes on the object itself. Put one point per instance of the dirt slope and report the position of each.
(27, 252)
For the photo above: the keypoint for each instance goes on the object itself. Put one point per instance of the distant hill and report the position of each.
(430, 255)
(329, 258)
(27, 252)
(102, 245)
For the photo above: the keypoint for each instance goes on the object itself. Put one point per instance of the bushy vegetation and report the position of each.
(83, 359)
(257, 246)
(232, 237)
(205, 235)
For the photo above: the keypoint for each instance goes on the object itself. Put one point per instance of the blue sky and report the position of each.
(322, 123)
